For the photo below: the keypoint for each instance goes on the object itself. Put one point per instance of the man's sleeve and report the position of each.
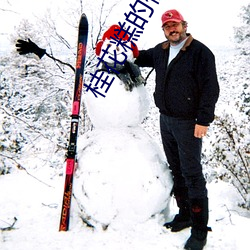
(145, 58)
(209, 89)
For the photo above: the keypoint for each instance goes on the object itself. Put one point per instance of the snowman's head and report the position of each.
(111, 38)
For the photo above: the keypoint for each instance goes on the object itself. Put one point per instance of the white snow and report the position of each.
(122, 177)
(37, 208)
(119, 108)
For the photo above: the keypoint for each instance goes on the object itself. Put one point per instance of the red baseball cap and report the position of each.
(171, 16)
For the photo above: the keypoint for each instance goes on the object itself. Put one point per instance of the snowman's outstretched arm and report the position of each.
(25, 47)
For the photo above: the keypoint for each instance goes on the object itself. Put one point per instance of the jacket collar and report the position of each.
(166, 44)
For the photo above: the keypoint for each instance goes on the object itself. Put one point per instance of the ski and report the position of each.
(71, 160)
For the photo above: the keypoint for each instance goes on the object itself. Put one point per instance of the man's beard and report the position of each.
(182, 36)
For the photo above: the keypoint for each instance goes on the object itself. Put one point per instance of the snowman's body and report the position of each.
(122, 177)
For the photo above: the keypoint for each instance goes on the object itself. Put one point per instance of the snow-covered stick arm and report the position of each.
(57, 60)
(25, 47)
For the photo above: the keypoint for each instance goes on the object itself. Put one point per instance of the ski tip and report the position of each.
(83, 20)
(84, 17)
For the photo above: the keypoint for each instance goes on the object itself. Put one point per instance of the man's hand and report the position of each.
(200, 131)
(24, 47)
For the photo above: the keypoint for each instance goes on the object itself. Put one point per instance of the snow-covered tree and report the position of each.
(36, 95)
(230, 154)
(242, 33)
(34, 104)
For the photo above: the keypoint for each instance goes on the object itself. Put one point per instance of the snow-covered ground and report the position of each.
(37, 208)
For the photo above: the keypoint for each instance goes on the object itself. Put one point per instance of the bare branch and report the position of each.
(10, 227)
(102, 23)
(19, 166)
(1, 9)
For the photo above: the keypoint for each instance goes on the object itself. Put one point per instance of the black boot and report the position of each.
(181, 220)
(199, 215)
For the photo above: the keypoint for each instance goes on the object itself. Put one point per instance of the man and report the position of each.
(186, 93)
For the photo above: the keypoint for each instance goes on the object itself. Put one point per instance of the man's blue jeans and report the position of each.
(183, 152)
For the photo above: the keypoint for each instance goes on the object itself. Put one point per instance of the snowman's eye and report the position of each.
(117, 48)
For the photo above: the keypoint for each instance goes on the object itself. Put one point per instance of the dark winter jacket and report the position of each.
(186, 88)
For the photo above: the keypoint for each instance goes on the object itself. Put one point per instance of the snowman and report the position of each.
(122, 178)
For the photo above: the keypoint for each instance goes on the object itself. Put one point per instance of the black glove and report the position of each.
(135, 73)
(24, 47)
